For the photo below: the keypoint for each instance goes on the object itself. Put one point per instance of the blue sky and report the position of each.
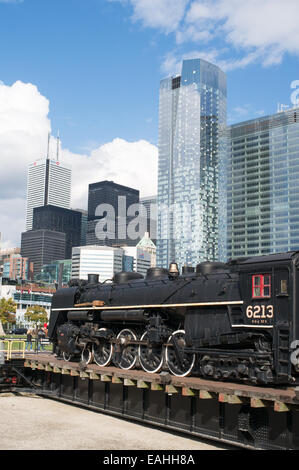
(100, 66)
(91, 68)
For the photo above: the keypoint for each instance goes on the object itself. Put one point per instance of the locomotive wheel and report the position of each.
(129, 353)
(102, 353)
(179, 368)
(86, 356)
(150, 356)
(67, 357)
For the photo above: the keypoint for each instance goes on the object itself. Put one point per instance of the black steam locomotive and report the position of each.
(237, 321)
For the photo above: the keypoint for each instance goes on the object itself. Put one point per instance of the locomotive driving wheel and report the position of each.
(126, 357)
(67, 357)
(150, 355)
(179, 362)
(102, 352)
(86, 355)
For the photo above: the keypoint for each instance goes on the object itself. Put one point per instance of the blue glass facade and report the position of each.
(260, 186)
(192, 113)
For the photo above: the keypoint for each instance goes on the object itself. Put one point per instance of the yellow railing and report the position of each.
(8, 347)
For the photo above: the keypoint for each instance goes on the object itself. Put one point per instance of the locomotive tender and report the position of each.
(236, 321)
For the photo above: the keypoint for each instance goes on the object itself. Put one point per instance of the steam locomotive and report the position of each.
(236, 321)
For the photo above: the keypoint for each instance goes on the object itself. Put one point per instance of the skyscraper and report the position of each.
(259, 191)
(192, 112)
(48, 182)
(60, 220)
(42, 247)
(150, 204)
(84, 218)
(115, 200)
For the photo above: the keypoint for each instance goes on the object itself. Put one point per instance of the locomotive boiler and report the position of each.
(236, 321)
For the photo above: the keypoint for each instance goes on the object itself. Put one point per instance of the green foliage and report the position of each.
(36, 314)
(8, 310)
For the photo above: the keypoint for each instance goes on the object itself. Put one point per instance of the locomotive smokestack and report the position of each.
(93, 278)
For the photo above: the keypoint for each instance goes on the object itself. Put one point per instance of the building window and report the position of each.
(261, 286)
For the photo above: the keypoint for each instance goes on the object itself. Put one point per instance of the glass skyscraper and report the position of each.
(192, 113)
(259, 190)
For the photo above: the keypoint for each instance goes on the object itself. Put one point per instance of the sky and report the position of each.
(91, 69)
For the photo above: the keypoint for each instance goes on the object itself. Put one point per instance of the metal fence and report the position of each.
(16, 347)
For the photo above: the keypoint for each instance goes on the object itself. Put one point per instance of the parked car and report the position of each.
(18, 331)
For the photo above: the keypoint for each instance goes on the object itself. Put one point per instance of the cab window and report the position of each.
(261, 286)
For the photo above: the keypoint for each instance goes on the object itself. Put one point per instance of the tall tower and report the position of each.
(119, 198)
(192, 113)
(48, 183)
(259, 194)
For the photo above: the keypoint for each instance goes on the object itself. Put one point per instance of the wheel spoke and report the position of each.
(86, 355)
(128, 353)
(102, 352)
(150, 355)
(178, 361)
(66, 356)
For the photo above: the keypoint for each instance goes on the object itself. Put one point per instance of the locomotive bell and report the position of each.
(173, 270)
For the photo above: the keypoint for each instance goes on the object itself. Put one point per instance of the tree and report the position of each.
(36, 314)
(8, 310)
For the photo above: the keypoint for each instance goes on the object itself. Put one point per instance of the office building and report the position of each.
(150, 203)
(25, 296)
(58, 219)
(7, 253)
(141, 258)
(58, 272)
(192, 113)
(43, 247)
(102, 260)
(107, 261)
(48, 183)
(259, 191)
(16, 267)
(108, 217)
(84, 218)
(146, 244)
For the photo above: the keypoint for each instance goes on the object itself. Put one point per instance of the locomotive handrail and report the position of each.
(118, 307)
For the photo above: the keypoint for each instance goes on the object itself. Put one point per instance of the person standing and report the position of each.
(29, 341)
(41, 335)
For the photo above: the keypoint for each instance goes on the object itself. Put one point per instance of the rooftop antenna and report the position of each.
(58, 146)
(48, 149)
(282, 108)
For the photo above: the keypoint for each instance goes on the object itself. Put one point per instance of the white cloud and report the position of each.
(24, 126)
(269, 27)
(161, 14)
(255, 30)
(132, 164)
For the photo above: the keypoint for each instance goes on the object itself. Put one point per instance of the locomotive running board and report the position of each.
(122, 307)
